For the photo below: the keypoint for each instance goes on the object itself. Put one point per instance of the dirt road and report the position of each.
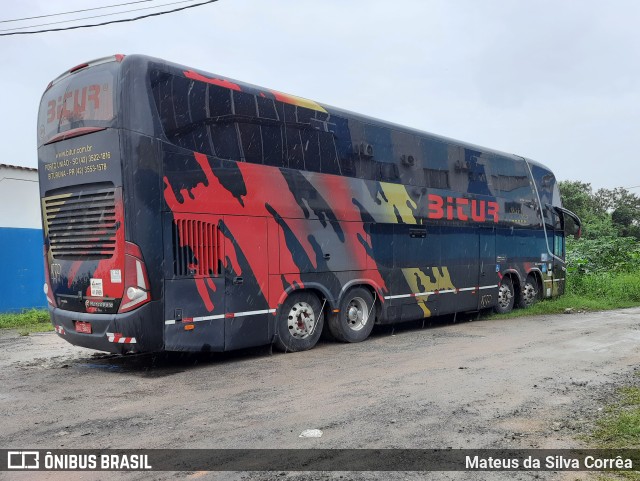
(520, 383)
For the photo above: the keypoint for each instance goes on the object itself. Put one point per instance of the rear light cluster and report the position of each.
(47, 279)
(136, 282)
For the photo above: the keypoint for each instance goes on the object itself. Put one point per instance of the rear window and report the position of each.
(83, 99)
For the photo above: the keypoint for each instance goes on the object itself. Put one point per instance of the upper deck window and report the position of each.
(82, 99)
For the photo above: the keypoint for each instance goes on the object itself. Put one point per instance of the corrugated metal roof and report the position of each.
(19, 167)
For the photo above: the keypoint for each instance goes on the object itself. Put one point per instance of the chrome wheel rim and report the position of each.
(529, 293)
(504, 296)
(357, 314)
(301, 320)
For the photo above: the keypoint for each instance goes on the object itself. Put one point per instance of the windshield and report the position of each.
(82, 99)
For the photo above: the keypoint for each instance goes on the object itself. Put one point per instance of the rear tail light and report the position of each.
(136, 282)
(47, 279)
(78, 67)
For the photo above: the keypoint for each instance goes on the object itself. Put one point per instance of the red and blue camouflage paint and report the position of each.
(249, 235)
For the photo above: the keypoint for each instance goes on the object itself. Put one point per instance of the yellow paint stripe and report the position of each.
(299, 101)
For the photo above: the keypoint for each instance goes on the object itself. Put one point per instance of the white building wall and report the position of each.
(20, 240)
(19, 198)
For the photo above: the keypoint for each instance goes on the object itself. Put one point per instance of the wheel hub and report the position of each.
(529, 293)
(301, 320)
(504, 296)
(357, 314)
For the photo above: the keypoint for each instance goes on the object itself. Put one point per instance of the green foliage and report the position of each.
(607, 212)
(31, 320)
(612, 199)
(618, 428)
(621, 289)
(603, 268)
(604, 254)
(588, 292)
(579, 198)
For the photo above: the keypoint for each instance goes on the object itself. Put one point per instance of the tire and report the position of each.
(530, 293)
(506, 297)
(299, 323)
(354, 321)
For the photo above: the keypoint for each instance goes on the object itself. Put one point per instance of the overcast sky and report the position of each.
(554, 80)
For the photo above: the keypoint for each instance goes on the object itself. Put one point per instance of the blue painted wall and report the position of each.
(21, 269)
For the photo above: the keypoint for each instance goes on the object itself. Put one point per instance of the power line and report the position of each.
(74, 11)
(156, 14)
(96, 16)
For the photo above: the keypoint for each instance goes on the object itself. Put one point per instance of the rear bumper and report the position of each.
(140, 330)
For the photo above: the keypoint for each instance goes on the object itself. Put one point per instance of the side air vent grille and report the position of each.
(82, 226)
(195, 248)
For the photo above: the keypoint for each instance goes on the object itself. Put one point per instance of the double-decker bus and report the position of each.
(186, 211)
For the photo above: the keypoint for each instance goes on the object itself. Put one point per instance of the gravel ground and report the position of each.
(521, 383)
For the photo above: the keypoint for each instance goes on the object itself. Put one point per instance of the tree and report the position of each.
(612, 199)
(624, 207)
(579, 198)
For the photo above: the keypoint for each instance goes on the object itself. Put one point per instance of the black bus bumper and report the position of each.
(140, 330)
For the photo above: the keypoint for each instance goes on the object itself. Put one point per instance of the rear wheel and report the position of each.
(354, 321)
(505, 297)
(299, 323)
(530, 293)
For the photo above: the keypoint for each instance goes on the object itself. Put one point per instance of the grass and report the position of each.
(569, 301)
(27, 321)
(589, 292)
(617, 287)
(618, 428)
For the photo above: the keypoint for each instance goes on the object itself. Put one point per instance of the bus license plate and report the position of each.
(84, 327)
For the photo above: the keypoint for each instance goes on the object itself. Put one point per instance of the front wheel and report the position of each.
(505, 297)
(354, 321)
(530, 293)
(299, 322)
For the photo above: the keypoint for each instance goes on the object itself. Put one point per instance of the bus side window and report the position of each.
(366, 168)
(295, 156)
(437, 179)
(180, 96)
(435, 164)
(365, 150)
(559, 235)
(475, 167)
(311, 148)
(389, 172)
(305, 115)
(347, 166)
(344, 146)
(273, 146)
(510, 178)
(188, 134)
(559, 244)
(244, 104)
(219, 101)
(161, 84)
(328, 155)
(251, 142)
(407, 156)
(223, 135)
(266, 108)
(198, 111)
(289, 113)
(225, 141)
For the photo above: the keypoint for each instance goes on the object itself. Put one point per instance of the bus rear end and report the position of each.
(96, 280)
